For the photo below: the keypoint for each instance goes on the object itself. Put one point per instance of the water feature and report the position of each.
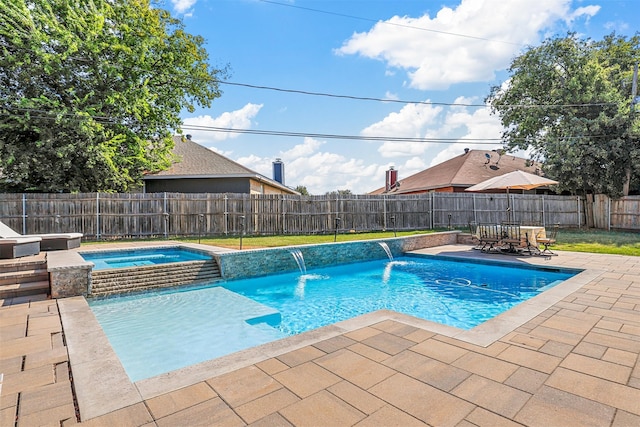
(297, 255)
(386, 250)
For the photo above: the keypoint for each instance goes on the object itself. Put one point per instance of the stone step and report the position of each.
(158, 270)
(24, 275)
(23, 289)
(159, 276)
(163, 277)
(160, 282)
(129, 288)
(108, 282)
(154, 267)
(24, 278)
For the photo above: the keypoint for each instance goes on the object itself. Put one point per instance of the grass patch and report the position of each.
(577, 240)
(599, 242)
(255, 242)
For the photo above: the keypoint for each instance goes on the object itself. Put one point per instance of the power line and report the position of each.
(482, 141)
(390, 23)
(203, 128)
(446, 104)
(369, 98)
(337, 136)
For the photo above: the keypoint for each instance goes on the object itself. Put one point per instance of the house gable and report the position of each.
(461, 172)
(198, 169)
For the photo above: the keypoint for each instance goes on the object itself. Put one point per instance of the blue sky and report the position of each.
(428, 52)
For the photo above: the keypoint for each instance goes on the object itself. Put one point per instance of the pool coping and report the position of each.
(102, 385)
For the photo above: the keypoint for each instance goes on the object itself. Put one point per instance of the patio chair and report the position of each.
(18, 247)
(510, 235)
(488, 234)
(49, 241)
(549, 240)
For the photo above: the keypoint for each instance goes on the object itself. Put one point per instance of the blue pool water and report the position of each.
(187, 326)
(141, 257)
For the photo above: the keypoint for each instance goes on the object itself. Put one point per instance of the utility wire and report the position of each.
(367, 98)
(336, 136)
(389, 23)
(446, 104)
(203, 128)
(488, 141)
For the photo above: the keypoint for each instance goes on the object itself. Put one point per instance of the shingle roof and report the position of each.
(461, 171)
(197, 161)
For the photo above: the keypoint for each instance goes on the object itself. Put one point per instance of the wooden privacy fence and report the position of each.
(137, 215)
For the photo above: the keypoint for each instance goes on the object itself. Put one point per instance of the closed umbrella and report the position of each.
(518, 180)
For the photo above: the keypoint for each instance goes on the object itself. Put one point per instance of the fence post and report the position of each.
(384, 211)
(226, 215)
(282, 206)
(578, 210)
(24, 213)
(473, 206)
(608, 213)
(98, 216)
(432, 208)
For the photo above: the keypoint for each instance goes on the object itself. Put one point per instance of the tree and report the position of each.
(92, 91)
(302, 190)
(569, 102)
(339, 193)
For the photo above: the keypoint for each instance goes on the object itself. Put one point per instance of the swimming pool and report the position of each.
(186, 326)
(139, 257)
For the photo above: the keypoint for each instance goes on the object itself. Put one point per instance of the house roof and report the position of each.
(197, 161)
(462, 171)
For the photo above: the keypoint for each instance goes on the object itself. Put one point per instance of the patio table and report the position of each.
(532, 233)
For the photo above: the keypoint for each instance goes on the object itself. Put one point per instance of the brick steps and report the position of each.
(24, 277)
(124, 280)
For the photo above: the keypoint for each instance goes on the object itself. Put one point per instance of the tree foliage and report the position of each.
(302, 190)
(339, 193)
(568, 101)
(92, 91)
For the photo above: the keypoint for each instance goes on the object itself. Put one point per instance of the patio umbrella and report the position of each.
(516, 180)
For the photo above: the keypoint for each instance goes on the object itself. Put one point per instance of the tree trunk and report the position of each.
(627, 181)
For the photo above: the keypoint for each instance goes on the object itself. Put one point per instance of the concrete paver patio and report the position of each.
(572, 360)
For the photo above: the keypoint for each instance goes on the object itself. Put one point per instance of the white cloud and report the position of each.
(182, 6)
(408, 122)
(617, 26)
(586, 12)
(238, 119)
(390, 95)
(466, 44)
(319, 171)
(221, 152)
(427, 121)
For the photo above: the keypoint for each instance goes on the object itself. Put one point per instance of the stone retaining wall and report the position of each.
(262, 262)
(70, 274)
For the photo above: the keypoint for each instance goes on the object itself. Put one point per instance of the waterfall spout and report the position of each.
(386, 249)
(297, 255)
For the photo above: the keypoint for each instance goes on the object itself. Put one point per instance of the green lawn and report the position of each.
(251, 242)
(595, 241)
(599, 241)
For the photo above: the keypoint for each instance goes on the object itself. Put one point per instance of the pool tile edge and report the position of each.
(99, 379)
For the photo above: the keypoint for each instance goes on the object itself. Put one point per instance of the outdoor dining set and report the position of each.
(513, 238)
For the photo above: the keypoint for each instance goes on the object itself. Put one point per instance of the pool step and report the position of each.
(124, 280)
(24, 277)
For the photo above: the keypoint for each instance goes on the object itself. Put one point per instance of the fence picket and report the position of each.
(138, 215)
